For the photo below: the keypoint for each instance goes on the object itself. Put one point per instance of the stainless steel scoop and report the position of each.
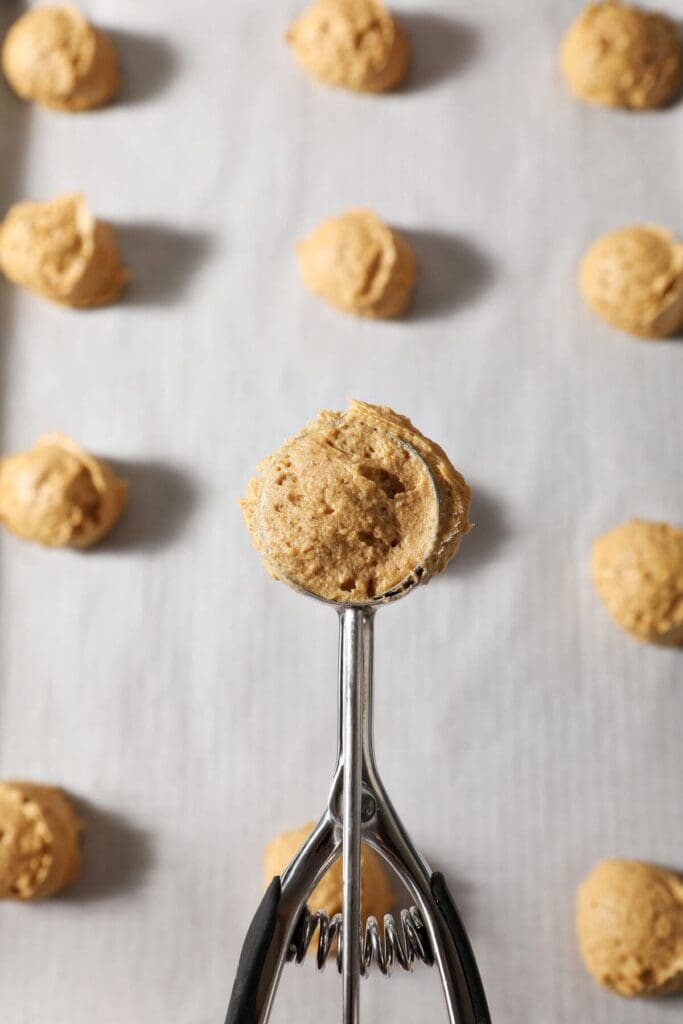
(358, 810)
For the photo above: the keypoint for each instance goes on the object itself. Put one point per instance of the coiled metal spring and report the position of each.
(402, 945)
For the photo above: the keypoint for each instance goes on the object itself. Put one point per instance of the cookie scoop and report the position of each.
(351, 44)
(356, 511)
(39, 841)
(58, 495)
(638, 573)
(376, 896)
(58, 250)
(630, 928)
(359, 265)
(53, 56)
(633, 279)
(622, 56)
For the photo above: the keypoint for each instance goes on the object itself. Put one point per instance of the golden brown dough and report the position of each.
(39, 841)
(352, 44)
(58, 250)
(359, 265)
(376, 896)
(58, 495)
(347, 508)
(630, 927)
(622, 56)
(633, 279)
(638, 573)
(53, 56)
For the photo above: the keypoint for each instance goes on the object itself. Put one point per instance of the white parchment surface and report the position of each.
(186, 700)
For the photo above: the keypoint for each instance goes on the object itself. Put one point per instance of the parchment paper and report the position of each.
(186, 700)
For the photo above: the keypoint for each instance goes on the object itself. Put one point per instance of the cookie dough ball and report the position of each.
(53, 56)
(630, 928)
(356, 504)
(352, 44)
(622, 56)
(359, 265)
(58, 250)
(376, 896)
(39, 841)
(58, 495)
(633, 279)
(638, 573)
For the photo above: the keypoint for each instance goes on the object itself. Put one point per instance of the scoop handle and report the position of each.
(477, 1010)
(246, 995)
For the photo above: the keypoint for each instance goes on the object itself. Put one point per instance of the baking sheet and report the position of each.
(186, 700)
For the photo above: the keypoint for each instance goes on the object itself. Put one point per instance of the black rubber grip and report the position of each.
(243, 1001)
(477, 997)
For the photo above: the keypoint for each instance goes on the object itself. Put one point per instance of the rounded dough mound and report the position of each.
(638, 573)
(39, 841)
(347, 509)
(622, 56)
(630, 928)
(58, 495)
(359, 265)
(376, 896)
(58, 250)
(633, 279)
(53, 56)
(352, 44)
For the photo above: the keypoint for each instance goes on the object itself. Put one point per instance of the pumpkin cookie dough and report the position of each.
(630, 928)
(53, 56)
(58, 250)
(359, 265)
(351, 44)
(633, 279)
(58, 495)
(638, 573)
(356, 504)
(622, 56)
(39, 841)
(376, 896)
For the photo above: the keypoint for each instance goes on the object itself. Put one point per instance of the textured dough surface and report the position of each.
(638, 573)
(39, 841)
(351, 44)
(58, 495)
(376, 896)
(346, 511)
(622, 56)
(630, 927)
(359, 265)
(633, 279)
(53, 56)
(58, 250)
